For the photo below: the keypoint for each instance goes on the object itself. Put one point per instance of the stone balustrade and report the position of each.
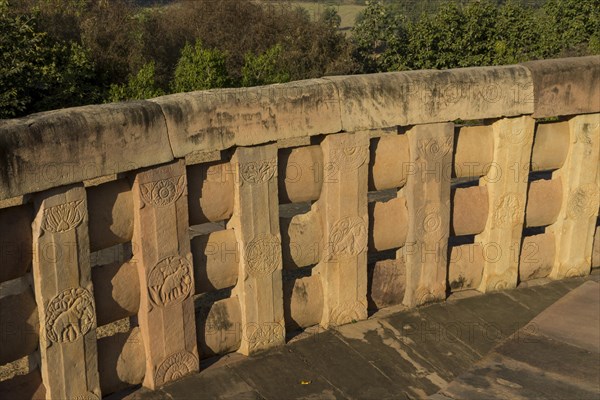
(219, 221)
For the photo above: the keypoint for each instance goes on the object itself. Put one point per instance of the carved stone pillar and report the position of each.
(344, 212)
(161, 246)
(255, 221)
(427, 193)
(506, 181)
(580, 174)
(64, 295)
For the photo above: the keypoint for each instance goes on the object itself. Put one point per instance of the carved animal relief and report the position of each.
(64, 217)
(170, 281)
(263, 255)
(164, 192)
(70, 315)
(348, 237)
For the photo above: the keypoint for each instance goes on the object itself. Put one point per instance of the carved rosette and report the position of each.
(583, 202)
(263, 254)
(170, 281)
(507, 210)
(257, 172)
(348, 312)
(435, 149)
(174, 367)
(265, 335)
(429, 220)
(348, 157)
(163, 192)
(70, 315)
(63, 217)
(578, 271)
(347, 238)
(424, 295)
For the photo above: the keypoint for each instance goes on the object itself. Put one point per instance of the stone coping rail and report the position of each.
(72, 145)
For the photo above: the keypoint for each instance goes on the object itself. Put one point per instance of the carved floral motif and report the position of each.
(499, 284)
(348, 158)
(583, 135)
(170, 281)
(265, 334)
(63, 217)
(259, 171)
(163, 192)
(86, 396)
(513, 136)
(583, 201)
(70, 315)
(435, 149)
(175, 367)
(507, 210)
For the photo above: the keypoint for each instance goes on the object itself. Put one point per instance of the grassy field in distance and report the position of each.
(347, 12)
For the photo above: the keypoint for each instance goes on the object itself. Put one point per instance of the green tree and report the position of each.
(380, 38)
(456, 36)
(37, 73)
(140, 86)
(199, 68)
(569, 27)
(517, 34)
(331, 17)
(109, 31)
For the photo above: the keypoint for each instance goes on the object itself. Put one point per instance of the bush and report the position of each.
(140, 86)
(265, 68)
(199, 68)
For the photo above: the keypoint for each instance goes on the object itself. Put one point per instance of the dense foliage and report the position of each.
(62, 53)
(475, 33)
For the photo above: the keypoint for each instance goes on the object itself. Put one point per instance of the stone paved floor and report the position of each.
(556, 357)
(500, 345)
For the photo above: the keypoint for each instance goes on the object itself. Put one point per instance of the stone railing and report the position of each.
(139, 238)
